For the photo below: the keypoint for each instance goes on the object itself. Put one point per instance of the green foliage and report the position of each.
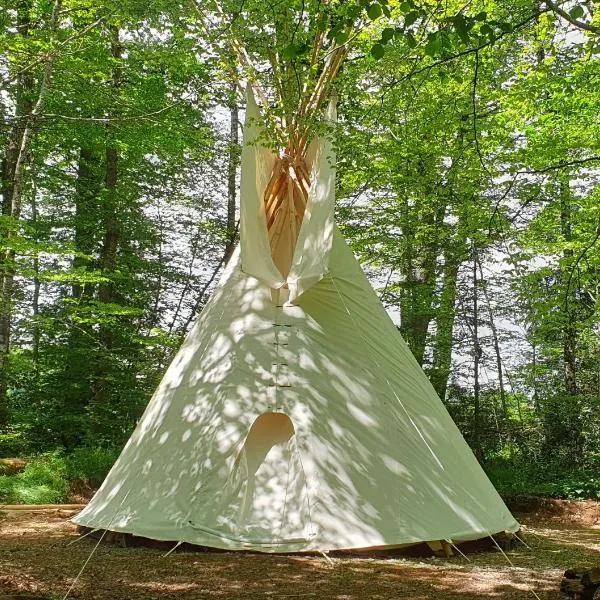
(13, 444)
(518, 477)
(90, 464)
(47, 477)
(44, 481)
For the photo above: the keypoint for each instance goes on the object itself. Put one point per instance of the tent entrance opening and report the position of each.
(266, 494)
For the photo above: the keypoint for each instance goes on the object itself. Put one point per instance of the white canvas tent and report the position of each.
(294, 417)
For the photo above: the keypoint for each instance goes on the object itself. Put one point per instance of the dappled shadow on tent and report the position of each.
(374, 459)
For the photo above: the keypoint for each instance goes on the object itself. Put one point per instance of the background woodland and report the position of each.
(468, 150)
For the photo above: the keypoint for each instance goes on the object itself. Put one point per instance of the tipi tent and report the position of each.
(294, 417)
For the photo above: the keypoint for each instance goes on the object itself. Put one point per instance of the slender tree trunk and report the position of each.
(35, 301)
(496, 341)
(23, 108)
(570, 318)
(82, 337)
(420, 271)
(87, 199)
(154, 318)
(534, 365)
(106, 291)
(232, 225)
(477, 448)
(569, 313)
(14, 164)
(110, 217)
(232, 164)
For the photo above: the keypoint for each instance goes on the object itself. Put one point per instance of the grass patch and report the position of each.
(43, 481)
(47, 478)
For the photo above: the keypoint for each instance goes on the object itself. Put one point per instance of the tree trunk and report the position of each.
(87, 199)
(35, 301)
(13, 185)
(82, 337)
(108, 253)
(496, 341)
(444, 338)
(232, 225)
(477, 448)
(232, 165)
(420, 270)
(569, 311)
(23, 108)
(108, 259)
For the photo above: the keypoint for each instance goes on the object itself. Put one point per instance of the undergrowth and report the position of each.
(47, 478)
(523, 478)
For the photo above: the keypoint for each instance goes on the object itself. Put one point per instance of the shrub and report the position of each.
(519, 477)
(90, 464)
(43, 481)
(13, 444)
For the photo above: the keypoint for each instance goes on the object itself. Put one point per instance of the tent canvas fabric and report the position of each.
(294, 417)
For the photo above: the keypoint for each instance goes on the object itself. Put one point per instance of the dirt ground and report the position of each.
(37, 563)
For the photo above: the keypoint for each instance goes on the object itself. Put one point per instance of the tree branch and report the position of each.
(561, 165)
(576, 266)
(565, 15)
(467, 51)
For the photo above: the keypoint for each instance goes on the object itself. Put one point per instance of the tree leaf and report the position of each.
(377, 51)
(434, 44)
(577, 12)
(289, 52)
(411, 18)
(354, 12)
(387, 34)
(374, 11)
(486, 30)
(341, 37)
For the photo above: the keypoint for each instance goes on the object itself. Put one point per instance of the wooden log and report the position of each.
(12, 466)
(575, 573)
(271, 190)
(36, 507)
(581, 583)
(591, 577)
(572, 586)
(441, 548)
(275, 200)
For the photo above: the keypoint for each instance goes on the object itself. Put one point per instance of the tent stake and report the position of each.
(173, 549)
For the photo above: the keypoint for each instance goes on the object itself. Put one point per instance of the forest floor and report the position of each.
(37, 563)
